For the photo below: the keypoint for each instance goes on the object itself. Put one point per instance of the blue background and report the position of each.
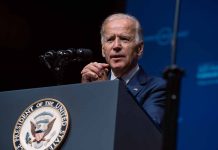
(196, 54)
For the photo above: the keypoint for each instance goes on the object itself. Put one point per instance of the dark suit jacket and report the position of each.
(150, 93)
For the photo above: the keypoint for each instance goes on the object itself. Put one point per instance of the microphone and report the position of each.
(80, 54)
(47, 57)
(53, 58)
(50, 54)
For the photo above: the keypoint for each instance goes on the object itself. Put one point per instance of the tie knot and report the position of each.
(121, 79)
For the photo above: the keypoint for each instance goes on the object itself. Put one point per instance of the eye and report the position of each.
(125, 39)
(110, 39)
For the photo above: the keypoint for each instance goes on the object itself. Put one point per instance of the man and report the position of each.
(122, 46)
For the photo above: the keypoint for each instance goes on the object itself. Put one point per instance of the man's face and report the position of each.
(119, 46)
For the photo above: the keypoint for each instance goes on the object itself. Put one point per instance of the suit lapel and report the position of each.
(137, 82)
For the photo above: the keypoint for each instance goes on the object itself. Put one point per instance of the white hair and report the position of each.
(139, 32)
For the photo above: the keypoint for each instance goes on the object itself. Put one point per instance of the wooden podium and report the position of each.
(102, 116)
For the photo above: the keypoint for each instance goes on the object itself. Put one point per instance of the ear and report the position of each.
(102, 51)
(140, 49)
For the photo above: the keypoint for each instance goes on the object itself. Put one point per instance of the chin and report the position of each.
(117, 67)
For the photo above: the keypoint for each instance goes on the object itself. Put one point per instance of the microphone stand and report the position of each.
(56, 66)
(58, 69)
(173, 75)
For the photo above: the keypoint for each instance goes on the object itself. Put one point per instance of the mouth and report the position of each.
(117, 56)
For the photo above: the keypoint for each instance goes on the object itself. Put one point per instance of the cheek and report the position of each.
(107, 58)
(105, 50)
(132, 56)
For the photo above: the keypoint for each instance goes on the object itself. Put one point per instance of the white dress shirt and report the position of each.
(127, 76)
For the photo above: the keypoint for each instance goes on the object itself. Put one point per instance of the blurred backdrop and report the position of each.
(197, 55)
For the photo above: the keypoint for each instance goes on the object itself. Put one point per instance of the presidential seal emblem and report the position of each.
(42, 126)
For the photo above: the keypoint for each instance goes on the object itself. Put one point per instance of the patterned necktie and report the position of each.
(121, 80)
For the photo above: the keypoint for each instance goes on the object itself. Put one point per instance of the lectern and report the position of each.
(102, 116)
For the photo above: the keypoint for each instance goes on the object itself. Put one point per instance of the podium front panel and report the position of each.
(91, 107)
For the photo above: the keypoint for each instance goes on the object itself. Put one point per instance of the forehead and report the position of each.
(121, 25)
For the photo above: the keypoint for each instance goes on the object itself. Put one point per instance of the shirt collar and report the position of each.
(127, 76)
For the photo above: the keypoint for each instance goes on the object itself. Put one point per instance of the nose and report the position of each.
(117, 44)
